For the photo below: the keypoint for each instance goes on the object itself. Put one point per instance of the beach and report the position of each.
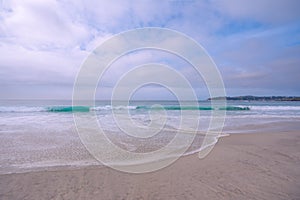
(149, 100)
(241, 166)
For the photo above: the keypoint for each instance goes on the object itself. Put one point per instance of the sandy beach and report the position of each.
(241, 166)
(123, 100)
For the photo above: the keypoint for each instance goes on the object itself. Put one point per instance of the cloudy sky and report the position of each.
(255, 44)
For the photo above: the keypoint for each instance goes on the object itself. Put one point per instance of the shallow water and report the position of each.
(42, 134)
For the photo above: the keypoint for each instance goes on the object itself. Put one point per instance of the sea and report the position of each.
(42, 134)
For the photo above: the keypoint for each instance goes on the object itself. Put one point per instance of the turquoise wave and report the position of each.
(229, 108)
(176, 107)
(234, 108)
(69, 109)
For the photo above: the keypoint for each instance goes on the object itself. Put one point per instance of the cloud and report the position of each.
(43, 43)
(41, 25)
(264, 11)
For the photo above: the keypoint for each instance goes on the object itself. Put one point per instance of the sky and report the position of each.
(255, 44)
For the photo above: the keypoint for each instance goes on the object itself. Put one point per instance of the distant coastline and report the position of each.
(258, 98)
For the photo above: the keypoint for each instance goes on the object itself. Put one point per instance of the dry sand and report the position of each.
(241, 166)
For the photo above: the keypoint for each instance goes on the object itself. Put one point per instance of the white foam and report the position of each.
(109, 107)
(275, 108)
(22, 109)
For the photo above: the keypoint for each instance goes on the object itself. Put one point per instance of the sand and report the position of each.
(241, 166)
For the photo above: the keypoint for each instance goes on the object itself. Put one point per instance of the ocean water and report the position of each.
(41, 134)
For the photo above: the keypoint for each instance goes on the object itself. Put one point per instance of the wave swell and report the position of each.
(24, 109)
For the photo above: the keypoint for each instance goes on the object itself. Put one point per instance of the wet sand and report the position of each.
(241, 166)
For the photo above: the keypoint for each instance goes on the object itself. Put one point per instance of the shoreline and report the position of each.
(241, 166)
